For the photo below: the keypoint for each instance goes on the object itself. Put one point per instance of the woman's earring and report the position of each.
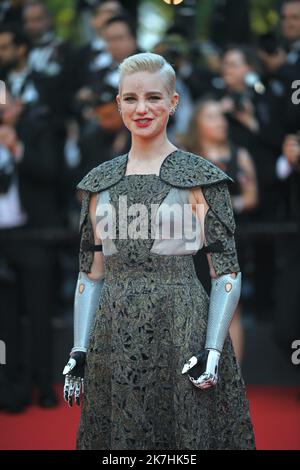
(119, 109)
(173, 110)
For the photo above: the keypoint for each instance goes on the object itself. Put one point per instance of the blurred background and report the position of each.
(238, 71)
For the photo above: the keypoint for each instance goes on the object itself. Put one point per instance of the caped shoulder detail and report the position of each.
(104, 175)
(186, 170)
(180, 169)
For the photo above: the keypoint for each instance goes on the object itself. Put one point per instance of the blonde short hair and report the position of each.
(149, 62)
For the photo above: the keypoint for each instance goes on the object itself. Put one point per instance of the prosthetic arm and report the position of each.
(87, 297)
(202, 368)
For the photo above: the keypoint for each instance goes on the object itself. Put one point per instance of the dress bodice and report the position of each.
(142, 214)
(159, 219)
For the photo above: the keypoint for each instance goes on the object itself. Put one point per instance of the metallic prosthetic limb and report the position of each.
(87, 297)
(202, 368)
(74, 381)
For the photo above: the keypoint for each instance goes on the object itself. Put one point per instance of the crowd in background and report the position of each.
(239, 107)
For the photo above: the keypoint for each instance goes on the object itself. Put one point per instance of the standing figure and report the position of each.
(158, 365)
(208, 136)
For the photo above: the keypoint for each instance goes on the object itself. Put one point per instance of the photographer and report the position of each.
(253, 124)
(12, 218)
(11, 152)
(93, 57)
(27, 287)
(27, 281)
(290, 70)
(251, 113)
(287, 324)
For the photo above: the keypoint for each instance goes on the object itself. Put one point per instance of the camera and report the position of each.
(254, 85)
(239, 100)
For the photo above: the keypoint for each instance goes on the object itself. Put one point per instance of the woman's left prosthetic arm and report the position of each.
(202, 368)
(224, 296)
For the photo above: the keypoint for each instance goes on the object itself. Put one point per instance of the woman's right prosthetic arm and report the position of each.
(202, 368)
(87, 298)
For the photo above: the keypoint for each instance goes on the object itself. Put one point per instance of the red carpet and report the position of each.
(275, 412)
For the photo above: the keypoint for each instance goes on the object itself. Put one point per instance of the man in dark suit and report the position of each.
(105, 137)
(27, 285)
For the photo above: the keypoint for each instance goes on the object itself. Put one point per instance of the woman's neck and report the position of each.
(156, 149)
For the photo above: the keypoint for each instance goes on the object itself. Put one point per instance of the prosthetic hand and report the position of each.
(202, 368)
(87, 297)
(74, 372)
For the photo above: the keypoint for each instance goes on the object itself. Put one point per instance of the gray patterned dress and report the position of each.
(152, 317)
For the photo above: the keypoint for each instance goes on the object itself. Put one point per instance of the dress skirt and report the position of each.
(151, 319)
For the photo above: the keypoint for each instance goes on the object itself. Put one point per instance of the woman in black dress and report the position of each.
(159, 368)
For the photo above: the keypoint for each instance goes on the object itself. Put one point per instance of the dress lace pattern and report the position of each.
(136, 250)
(151, 318)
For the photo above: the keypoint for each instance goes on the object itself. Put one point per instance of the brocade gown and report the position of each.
(153, 311)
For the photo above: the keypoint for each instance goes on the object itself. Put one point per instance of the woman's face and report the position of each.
(234, 69)
(145, 104)
(211, 123)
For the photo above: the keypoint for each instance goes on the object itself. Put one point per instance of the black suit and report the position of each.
(96, 146)
(27, 286)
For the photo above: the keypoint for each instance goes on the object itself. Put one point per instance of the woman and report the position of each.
(208, 136)
(144, 388)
